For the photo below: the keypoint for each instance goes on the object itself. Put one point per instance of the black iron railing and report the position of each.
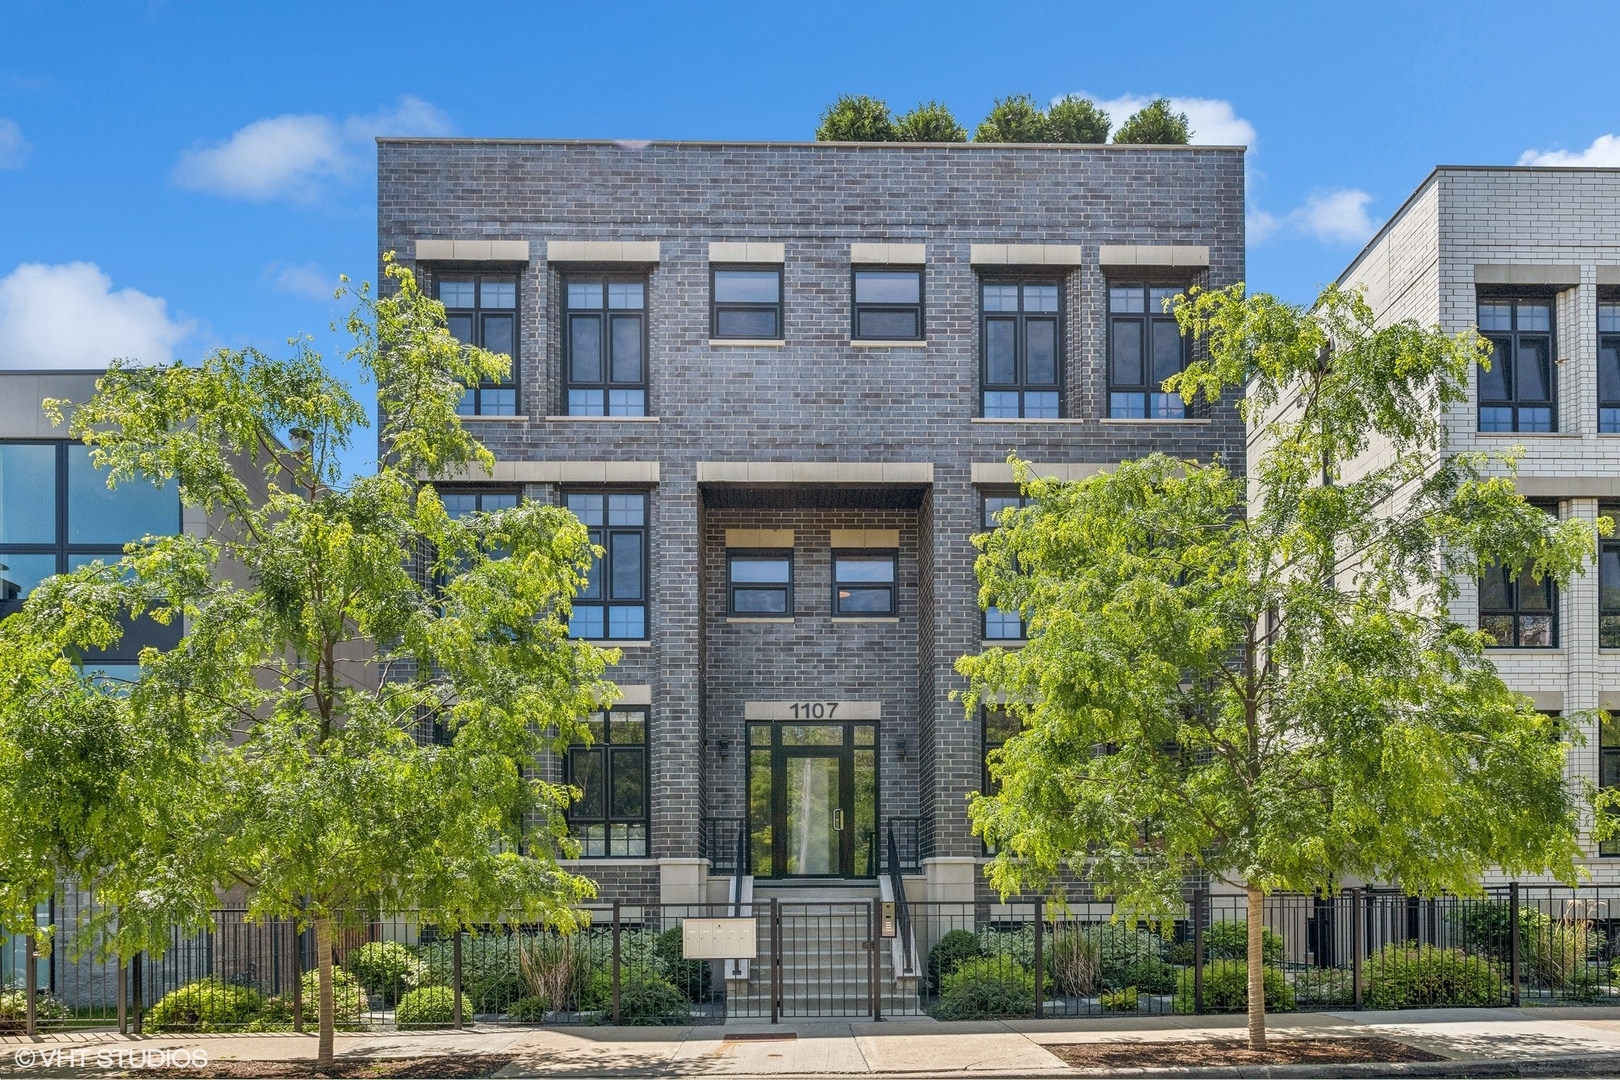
(905, 848)
(723, 841)
(902, 908)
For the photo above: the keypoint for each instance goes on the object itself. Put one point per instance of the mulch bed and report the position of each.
(1189, 1053)
(445, 1066)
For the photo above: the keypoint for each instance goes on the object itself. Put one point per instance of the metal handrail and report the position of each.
(902, 909)
(742, 868)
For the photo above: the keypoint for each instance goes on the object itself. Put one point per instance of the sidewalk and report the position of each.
(1476, 1042)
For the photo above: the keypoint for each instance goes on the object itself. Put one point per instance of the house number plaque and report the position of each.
(812, 709)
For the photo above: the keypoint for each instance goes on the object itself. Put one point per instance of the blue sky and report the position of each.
(176, 176)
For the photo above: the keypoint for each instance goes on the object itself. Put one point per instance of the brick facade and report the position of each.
(818, 398)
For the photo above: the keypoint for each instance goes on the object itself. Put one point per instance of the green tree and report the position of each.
(856, 118)
(1074, 119)
(1154, 123)
(1012, 119)
(1277, 698)
(315, 794)
(929, 122)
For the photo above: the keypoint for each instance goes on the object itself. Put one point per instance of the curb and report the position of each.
(1562, 1065)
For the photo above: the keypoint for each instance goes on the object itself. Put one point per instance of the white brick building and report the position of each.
(1531, 256)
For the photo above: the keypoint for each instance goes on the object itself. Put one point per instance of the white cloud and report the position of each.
(14, 149)
(1213, 122)
(68, 316)
(308, 281)
(1603, 153)
(1338, 216)
(298, 157)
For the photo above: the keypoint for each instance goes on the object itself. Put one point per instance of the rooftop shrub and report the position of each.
(856, 118)
(1154, 123)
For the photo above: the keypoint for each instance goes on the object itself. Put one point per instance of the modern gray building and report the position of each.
(1531, 257)
(780, 383)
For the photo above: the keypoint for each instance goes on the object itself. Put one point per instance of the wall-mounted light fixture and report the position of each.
(720, 746)
(900, 747)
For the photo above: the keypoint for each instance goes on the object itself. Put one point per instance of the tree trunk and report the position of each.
(1257, 968)
(323, 967)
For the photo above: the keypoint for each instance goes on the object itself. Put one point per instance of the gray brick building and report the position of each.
(1531, 258)
(780, 382)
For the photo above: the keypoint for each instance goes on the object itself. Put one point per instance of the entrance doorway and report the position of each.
(812, 800)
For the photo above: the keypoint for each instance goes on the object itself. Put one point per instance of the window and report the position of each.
(997, 727)
(747, 304)
(610, 818)
(1145, 347)
(482, 311)
(761, 583)
(1609, 368)
(606, 331)
(1609, 768)
(1022, 347)
(1516, 393)
(888, 305)
(613, 603)
(1519, 613)
(458, 504)
(1609, 585)
(57, 514)
(863, 583)
(1001, 625)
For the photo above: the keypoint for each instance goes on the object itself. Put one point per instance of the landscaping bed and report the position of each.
(1190, 1053)
(447, 1066)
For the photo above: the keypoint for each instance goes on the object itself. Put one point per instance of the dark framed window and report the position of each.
(605, 345)
(996, 727)
(1001, 625)
(747, 303)
(458, 504)
(57, 514)
(1517, 392)
(1145, 347)
(1021, 342)
(482, 310)
(1609, 367)
(1519, 612)
(611, 815)
(761, 582)
(613, 603)
(864, 583)
(1609, 767)
(888, 305)
(1609, 585)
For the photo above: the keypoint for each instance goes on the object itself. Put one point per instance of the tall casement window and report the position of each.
(482, 311)
(1145, 347)
(1609, 585)
(1519, 613)
(1609, 368)
(1517, 392)
(613, 603)
(1022, 343)
(1609, 768)
(998, 726)
(888, 305)
(761, 583)
(747, 303)
(864, 583)
(606, 331)
(610, 818)
(1001, 625)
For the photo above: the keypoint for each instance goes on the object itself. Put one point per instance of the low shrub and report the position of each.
(1131, 956)
(1017, 944)
(644, 999)
(1409, 976)
(430, 1007)
(1482, 926)
(1559, 954)
(1230, 941)
(1072, 962)
(556, 968)
(1226, 988)
(691, 977)
(350, 1004)
(985, 988)
(1120, 1000)
(528, 1010)
(206, 1005)
(949, 952)
(48, 1012)
(1324, 988)
(386, 968)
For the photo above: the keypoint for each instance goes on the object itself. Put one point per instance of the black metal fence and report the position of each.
(1519, 945)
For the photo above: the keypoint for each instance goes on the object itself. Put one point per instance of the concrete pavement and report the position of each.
(1478, 1042)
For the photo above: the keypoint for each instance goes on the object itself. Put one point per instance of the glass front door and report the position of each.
(812, 800)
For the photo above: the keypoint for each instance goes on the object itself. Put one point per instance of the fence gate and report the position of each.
(816, 959)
